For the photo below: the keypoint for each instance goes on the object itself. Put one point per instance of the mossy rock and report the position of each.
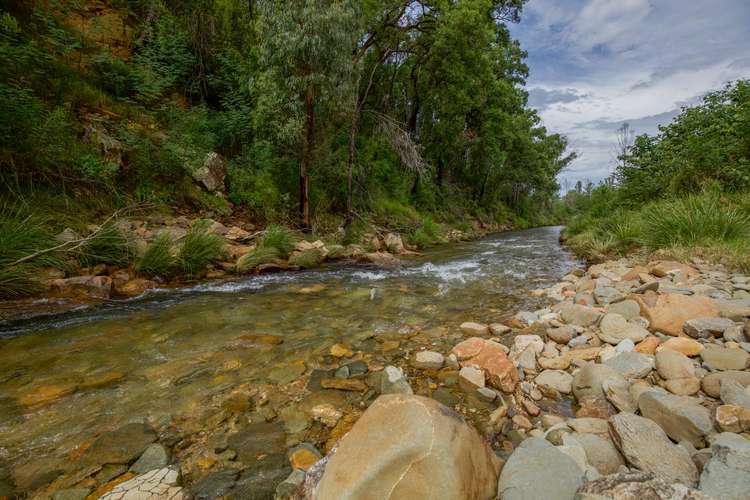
(312, 257)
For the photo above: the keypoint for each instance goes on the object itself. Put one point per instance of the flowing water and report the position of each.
(66, 378)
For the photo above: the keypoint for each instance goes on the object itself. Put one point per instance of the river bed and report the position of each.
(175, 358)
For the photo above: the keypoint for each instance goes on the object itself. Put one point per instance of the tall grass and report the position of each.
(21, 236)
(707, 225)
(108, 246)
(279, 238)
(261, 255)
(157, 260)
(199, 248)
(696, 220)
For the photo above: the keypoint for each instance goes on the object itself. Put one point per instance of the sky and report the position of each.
(595, 64)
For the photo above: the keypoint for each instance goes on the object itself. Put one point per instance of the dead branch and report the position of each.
(72, 245)
(408, 151)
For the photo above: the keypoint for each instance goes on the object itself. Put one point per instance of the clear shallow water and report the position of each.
(66, 378)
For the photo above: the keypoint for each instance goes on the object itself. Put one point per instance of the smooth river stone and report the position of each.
(407, 446)
(645, 446)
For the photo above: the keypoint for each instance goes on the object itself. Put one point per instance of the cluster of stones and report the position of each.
(651, 360)
(106, 281)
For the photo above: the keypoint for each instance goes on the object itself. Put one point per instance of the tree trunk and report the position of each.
(307, 151)
(350, 173)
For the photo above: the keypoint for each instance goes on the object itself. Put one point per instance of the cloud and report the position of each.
(598, 63)
(541, 98)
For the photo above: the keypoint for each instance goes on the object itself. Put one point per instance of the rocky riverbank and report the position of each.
(633, 382)
(75, 286)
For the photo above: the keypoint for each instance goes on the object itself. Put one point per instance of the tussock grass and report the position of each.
(706, 225)
(199, 248)
(261, 255)
(696, 220)
(157, 260)
(21, 236)
(109, 246)
(279, 238)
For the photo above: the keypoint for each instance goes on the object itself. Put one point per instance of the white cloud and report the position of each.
(597, 63)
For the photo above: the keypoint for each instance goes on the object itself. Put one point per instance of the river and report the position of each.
(174, 357)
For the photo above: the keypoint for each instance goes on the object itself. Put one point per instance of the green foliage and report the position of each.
(707, 143)
(21, 236)
(434, 110)
(278, 238)
(199, 248)
(107, 246)
(427, 234)
(261, 255)
(695, 220)
(157, 260)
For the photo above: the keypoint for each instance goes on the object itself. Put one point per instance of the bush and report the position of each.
(108, 246)
(157, 260)
(261, 255)
(199, 249)
(429, 233)
(696, 220)
(280, 238)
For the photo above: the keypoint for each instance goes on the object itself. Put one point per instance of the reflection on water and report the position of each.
(65, 378)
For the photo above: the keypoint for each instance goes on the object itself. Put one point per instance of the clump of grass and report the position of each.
(21, 236)
(427, 234)
(108, 246)
(199, 248)
(261, 255)
(696, 220)
(157, 260)
(280, 238)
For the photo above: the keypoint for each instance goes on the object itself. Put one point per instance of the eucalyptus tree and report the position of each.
(308, 47)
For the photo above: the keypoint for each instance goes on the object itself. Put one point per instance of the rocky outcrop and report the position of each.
(212, 173)
(410, 447)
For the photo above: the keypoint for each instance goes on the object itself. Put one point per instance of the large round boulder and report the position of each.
(407, 446)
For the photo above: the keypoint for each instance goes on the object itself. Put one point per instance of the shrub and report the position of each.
(199, 249)
(693, 221)
(428, 233)
(261, 255)
(157, 260)
(280, 238)
(108, 246)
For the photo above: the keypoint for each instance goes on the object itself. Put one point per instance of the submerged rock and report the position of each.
(393, 381)
(159, 484)
(121, 446)
(407, 446)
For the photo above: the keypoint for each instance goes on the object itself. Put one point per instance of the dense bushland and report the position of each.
(321, 109)
(685, 190)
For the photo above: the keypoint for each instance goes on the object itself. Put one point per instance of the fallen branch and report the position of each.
(72, 245)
